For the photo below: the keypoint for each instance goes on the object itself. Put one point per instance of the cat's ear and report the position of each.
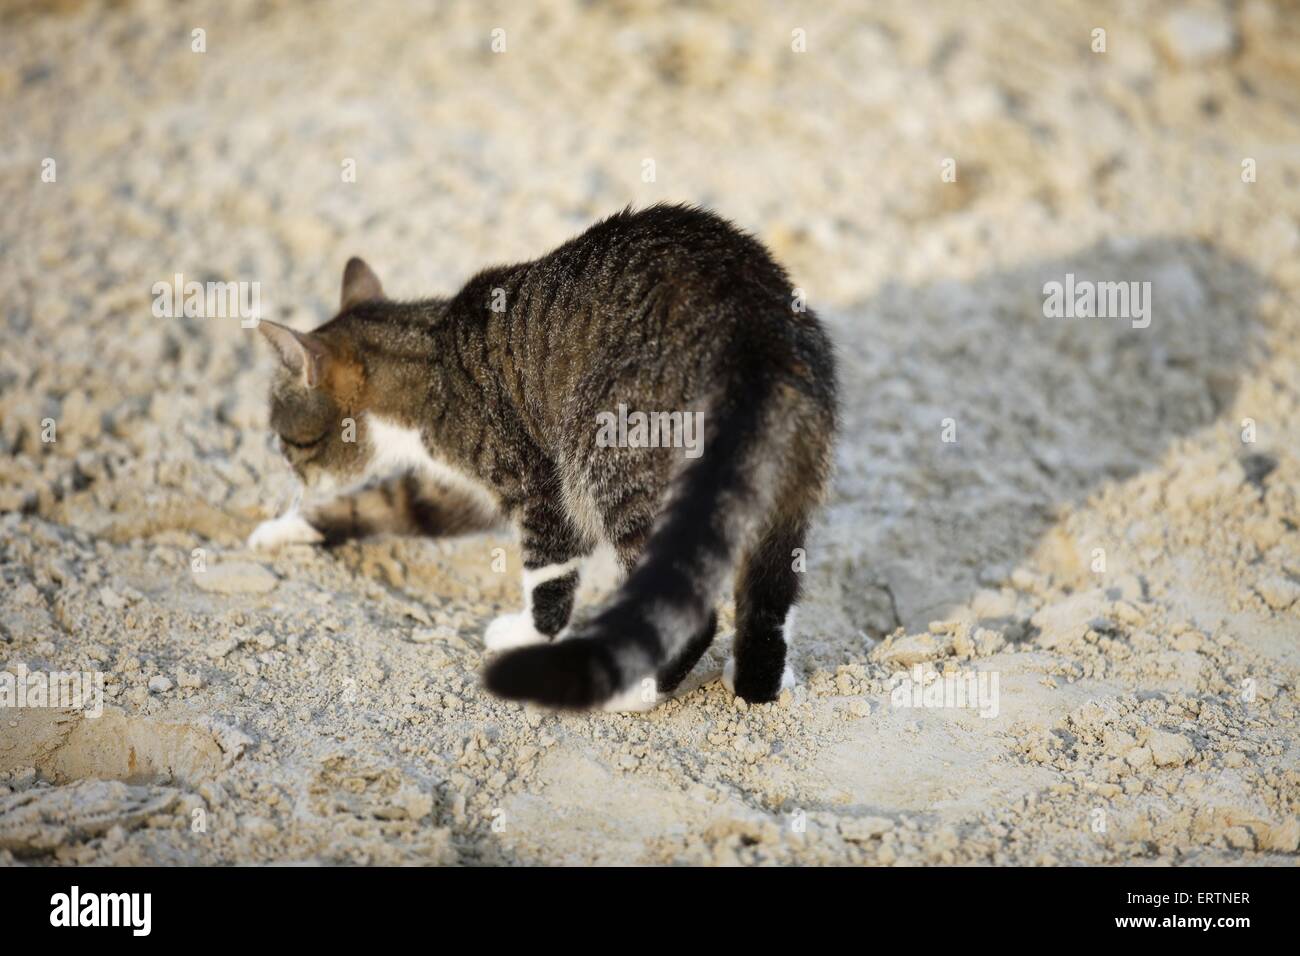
(360, 284)
(300, 352)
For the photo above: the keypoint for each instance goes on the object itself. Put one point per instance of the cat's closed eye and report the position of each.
(303, 445)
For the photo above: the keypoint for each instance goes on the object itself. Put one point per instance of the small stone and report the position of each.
(111, 599)
(413, 611)
(862, 829)
(235, 577)
(258, 827)
(1128, 613)
(912, 649)
(159, 684)
(440, 634)
(1191, 37)
(1117, 742)
(213, 793)
(26, 594)
(1239, 838)
(1283, 837)
(989, 603)
(1138, 757)
(1022, 579)
(417, 803)
(1170, 750)
(221, 648)
(1278, 592)
(988, 642)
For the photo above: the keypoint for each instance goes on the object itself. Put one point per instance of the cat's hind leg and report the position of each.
(672, 674)
(772, 564)
(766, 590)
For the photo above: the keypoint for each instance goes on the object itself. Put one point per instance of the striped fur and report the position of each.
(671, 309)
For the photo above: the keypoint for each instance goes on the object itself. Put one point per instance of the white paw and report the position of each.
(729, 677)
(290, 528)
(638, 698)
(513, 630)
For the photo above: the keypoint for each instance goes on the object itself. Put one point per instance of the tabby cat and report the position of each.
(499, 401)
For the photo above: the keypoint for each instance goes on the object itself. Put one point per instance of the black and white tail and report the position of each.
(716, 503)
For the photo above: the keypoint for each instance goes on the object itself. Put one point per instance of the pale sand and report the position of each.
(325, 707)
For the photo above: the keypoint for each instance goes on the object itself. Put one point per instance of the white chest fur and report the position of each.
(395, 447)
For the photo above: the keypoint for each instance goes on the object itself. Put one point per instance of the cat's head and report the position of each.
(318, 393)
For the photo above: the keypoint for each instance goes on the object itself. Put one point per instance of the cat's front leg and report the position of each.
(553, 552)
(290, 528)
(548, 602)
(407, 504)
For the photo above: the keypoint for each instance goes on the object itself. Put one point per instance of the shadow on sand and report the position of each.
(1043, 411)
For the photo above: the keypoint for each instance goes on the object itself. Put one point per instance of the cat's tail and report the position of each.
(714, 507)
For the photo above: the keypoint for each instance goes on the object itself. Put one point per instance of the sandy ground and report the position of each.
(1107, 535)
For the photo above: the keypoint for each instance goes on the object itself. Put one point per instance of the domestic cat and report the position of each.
(505, 396)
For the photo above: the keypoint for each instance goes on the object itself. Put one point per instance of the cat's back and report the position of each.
(668, 259)
(668, 285)
(667, 251)
(687, 237)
